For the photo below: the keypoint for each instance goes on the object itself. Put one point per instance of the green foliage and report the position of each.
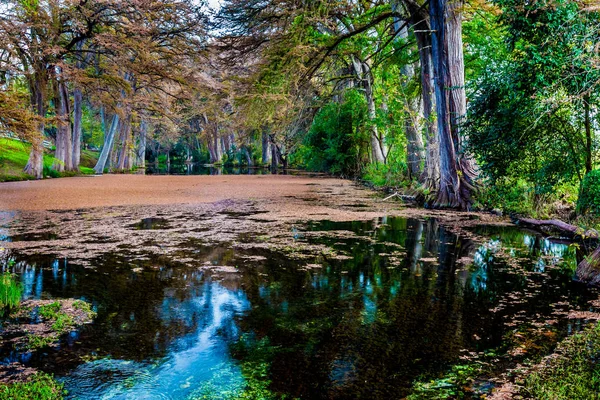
(10, 293)
(512, 195)
(574, 373)
(526, 115)
(40, 386)
(589, 194)
(392, 174)
(337, 140)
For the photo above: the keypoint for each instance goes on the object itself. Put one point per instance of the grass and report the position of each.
(14, 155)
(573, 373)
(40, 386)
(10, 293)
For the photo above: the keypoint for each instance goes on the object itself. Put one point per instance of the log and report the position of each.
(588, 270)
(570, 231)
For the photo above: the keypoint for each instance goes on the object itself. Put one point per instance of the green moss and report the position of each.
(572, 373)
(40, 386)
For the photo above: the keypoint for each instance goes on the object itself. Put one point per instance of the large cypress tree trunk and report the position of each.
(65, 126)
(141, 145)
(266, 148)
(77, 117)
(109, 137)
(457, 96)
(415, 148)
(38, 83)
(124, 140)
(420, 24)
(449, 189)
(454, 190)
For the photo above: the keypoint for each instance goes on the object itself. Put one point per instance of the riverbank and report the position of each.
(14, 155)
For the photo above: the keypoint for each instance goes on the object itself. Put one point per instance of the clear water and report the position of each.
(403, 303)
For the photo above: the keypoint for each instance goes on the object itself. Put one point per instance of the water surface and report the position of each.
(393, 301)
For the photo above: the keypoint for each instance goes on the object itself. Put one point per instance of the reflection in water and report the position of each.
(401, 303)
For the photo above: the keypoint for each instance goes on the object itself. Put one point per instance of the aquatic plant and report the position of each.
(10, 293)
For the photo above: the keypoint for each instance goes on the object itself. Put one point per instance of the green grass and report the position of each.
(10, 293)
(14, 155)
(574, 373)
(40, 386)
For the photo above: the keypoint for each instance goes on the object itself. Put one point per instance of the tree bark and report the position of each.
(364, 75)
(266, 148)
(454, 189)
(141, 145)
(108, 144)
(420, 23)
(588, 136)
(77, 127)
(415, 153)
(457, 96)
(567, 230)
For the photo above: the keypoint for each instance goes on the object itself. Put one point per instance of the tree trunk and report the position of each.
(457, 97)
(248, 156)
(588, 136)
(35, 164)
(108, 144)
(141, 145)
(454, 192)
(77, 117)
(38, 92)
(266, 148)
(420, 23)
(66, 126)
(415, 153)
(363, 73)
(124, 140)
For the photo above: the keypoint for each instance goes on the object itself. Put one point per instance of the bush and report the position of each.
(337, 140)
(589, 194)
(510, 195)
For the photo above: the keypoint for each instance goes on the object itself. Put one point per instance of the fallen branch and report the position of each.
(568, 230)
(391, 196)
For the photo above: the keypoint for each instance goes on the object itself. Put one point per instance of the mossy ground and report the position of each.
(14, 155)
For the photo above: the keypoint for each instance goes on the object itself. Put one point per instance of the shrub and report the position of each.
(589, 194)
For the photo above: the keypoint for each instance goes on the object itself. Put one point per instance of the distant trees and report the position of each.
(65, 50)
